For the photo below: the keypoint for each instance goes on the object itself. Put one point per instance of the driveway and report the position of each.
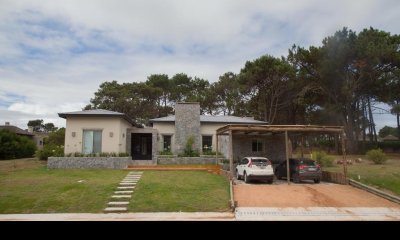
(307, 194)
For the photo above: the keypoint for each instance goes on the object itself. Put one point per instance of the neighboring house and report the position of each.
(390, 138)
(96, 131)
(38, 138)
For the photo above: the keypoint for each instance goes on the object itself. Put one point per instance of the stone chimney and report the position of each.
(187, 124)
(30, 129)
(7, 123)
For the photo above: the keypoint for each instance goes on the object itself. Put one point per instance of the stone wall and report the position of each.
(186, 160)
(273, 147)
(89, 162)
(187, 123)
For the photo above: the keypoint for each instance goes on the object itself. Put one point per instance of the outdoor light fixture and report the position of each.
(111, 134)
(73, 134)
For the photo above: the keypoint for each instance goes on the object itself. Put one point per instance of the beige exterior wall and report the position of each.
(169, 129)
(209, 129)
(165, 129)
(115, 126)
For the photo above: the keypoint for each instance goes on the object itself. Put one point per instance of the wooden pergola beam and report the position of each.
(280, 129)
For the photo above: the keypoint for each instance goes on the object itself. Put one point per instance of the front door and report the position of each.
(141, 146)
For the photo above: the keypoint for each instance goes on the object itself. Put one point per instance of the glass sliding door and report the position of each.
(91, 141)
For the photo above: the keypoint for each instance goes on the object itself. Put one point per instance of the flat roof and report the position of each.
(97, 113)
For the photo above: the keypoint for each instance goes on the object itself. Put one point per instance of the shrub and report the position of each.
(50, 151)
(14, 146)
(322, 158)
(377, 156)
(188, 151)
(165, 152)
(123, 154)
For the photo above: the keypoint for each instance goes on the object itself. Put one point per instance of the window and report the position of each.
(256, 145)
(91, 141)
(167, 143)
(207, 143)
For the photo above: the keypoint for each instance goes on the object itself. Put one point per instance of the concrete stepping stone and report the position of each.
(123, 188)
(135, 173)
(117, 203)
(121, 196)
(127, 184)
(116, 209)
(123, 192)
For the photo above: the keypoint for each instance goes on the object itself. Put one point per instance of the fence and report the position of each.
(334, 177)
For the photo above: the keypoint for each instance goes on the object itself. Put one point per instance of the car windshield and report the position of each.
(259, 161)
(307, 162)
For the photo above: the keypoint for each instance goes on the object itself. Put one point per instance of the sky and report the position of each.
(55, 54)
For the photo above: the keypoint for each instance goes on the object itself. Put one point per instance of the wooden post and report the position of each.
(302, 146)
(342, 136)
(230, 153)
(287, 158)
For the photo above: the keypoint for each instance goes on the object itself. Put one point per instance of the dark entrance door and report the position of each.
(141, 146)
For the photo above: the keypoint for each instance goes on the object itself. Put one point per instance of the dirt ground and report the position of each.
(306, 195)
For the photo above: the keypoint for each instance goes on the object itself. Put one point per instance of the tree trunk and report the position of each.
(371, 120)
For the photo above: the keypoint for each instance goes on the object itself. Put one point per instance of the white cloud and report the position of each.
(56, 53)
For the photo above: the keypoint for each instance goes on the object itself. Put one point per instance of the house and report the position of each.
(96, 131)
(92, 132)
(390, 137)
(38, 138)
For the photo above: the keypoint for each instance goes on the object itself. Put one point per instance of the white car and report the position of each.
(255, 168)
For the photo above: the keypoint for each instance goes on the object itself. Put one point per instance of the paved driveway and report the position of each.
(306, 194)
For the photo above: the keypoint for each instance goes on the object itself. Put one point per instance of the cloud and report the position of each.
(55, 54)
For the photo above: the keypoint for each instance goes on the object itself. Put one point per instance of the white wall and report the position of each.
(116, 125)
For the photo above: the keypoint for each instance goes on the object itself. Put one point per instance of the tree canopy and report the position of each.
(337, 83)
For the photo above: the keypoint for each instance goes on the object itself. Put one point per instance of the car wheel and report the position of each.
(270, 181)
(278, 176)
(296, 178)
(317, 180)
(237, 175)
(246, 179)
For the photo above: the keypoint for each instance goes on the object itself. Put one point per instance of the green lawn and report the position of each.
(385, 177)
(27, 186)
(166, 191)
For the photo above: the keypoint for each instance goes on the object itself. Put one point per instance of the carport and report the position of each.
(236, 132)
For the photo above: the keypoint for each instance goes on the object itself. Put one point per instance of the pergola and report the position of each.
(264, 130)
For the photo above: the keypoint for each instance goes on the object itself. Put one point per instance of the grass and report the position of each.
(27, 186)
(167, 191)
(385, 177)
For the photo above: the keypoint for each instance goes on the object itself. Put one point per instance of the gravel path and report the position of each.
(306, 195)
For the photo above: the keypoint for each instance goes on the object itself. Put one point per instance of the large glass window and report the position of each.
(91, 141)
(256, 145)
(207, 144)
(167, 143)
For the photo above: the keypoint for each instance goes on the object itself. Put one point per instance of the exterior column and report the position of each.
(230, 153)
(287, 158)
(342, 136)
(216, 149)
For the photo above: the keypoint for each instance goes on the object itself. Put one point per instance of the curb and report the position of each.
(375, 191)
